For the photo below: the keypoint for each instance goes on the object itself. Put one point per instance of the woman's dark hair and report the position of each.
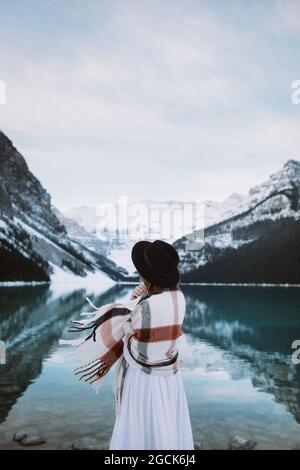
(152, 288)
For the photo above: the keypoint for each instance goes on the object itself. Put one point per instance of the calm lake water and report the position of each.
(235, 360)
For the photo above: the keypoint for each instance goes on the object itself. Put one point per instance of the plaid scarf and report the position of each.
(142, 333)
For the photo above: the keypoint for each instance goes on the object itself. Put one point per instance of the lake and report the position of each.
(235, 360)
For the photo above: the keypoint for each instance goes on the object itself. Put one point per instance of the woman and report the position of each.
(142, 335)
(153, 411)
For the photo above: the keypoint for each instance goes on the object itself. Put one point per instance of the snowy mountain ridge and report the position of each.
(239, 220)
(32, 238)
(262, 220)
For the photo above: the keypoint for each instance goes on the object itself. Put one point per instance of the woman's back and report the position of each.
(156, 325)
(154, 412)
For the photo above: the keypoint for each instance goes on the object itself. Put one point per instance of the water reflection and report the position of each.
(235, 356)
(31, 322)
(255, 325)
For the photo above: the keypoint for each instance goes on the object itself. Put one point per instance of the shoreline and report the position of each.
(221, 284)
(224, 284)
(24, 283)
(131, 283)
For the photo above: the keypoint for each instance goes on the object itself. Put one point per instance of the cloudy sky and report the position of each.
(153, 99)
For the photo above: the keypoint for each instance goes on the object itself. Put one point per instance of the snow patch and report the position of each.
(63, 280)
(122, 257)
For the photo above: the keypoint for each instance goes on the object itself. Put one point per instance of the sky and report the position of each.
(151, 99)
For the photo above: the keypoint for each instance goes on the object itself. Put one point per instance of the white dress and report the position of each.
(154, 412)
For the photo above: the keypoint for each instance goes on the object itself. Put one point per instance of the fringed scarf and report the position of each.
(141, 332)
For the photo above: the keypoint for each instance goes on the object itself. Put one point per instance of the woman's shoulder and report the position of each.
(163, 305)
(167, 296)
(161, 298)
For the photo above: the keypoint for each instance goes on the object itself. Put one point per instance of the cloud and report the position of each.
(286, 17)
(158, 100)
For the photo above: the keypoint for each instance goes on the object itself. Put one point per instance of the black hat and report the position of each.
(157, 262)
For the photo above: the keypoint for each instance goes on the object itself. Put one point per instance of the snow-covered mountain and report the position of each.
(214, 212)
(85, 216)
(254, 243)
(80, 235)
(33, 241)
(269, 212)
(145, 219)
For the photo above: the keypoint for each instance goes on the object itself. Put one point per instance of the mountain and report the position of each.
(85, 216)
(257, 243)
(272, 258)
(80, 223)
(118, 236)
(33, 241)
(248, 238)
(81, 235)
(215, 212)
